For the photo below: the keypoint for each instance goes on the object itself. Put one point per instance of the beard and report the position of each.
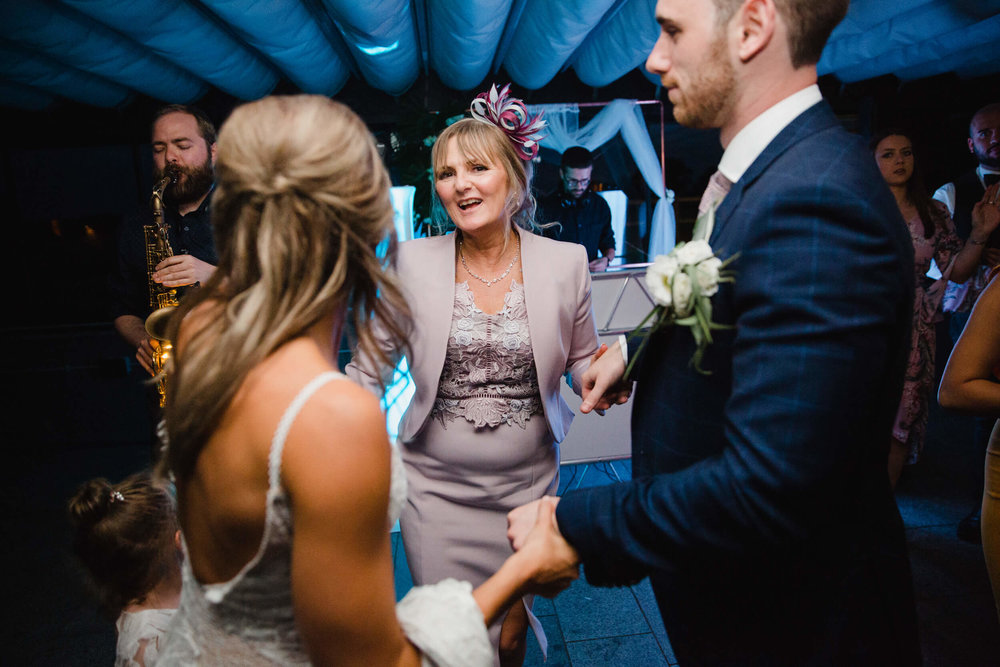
(194, 185)
(709, 92)
(985, 159)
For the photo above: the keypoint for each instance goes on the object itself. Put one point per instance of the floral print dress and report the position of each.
(911, 418)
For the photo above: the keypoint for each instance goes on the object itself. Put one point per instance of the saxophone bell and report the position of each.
(158, 321)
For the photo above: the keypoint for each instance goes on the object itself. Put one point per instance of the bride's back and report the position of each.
(281, 465)
(222, 506)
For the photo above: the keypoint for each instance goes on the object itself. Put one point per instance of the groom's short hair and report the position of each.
(809, 23)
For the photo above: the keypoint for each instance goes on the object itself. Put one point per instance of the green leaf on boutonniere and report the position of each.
(683, 283)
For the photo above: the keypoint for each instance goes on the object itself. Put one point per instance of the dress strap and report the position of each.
(280, 433)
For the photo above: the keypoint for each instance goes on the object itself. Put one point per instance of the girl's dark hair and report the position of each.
(915, 190)
(124, 534)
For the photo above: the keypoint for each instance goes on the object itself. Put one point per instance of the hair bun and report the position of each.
(91, 502)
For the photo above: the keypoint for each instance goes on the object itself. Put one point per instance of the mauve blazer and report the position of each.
(560, 319)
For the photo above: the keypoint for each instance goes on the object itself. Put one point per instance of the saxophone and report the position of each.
(162, 299)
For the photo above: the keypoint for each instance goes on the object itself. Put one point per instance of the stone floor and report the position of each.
(51, 621)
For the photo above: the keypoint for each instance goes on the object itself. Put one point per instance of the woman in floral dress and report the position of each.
(934, 238)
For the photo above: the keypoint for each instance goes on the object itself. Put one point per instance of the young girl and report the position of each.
(126, 535)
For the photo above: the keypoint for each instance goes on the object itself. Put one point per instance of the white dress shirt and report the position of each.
(946, 193)
(751, 141)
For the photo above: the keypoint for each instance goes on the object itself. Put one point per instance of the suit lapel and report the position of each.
(814, 119)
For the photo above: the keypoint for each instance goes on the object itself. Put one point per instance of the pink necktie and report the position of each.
(718, 187)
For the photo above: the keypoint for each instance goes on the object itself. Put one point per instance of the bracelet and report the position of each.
(975, 242)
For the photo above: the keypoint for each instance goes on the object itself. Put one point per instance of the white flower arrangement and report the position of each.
(682, 284)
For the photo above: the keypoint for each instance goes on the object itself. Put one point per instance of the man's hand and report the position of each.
(144, 353)
(520, 521)
(180, 270)
(602, 383)
(534, 533)
(133, 330)
(598, 265)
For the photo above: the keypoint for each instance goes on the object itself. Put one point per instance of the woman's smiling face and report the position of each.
(473, 192)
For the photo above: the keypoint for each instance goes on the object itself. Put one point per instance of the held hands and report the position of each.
(602, 383)
(180, 270)
(535, 536)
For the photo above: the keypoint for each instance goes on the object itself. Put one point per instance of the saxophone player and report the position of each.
(183, 141)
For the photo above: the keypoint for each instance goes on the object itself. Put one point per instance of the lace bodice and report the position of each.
(249, 620)
(489, 375)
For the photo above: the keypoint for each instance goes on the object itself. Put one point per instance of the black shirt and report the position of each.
(189, 234)
(586, 221)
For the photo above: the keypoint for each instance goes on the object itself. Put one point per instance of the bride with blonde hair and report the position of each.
(282, 465)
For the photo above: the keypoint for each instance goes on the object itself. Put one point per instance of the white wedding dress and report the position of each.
(249, 620)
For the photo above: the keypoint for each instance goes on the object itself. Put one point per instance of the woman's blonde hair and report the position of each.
(301, 202)
(485, 142)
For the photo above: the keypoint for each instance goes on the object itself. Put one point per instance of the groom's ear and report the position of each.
(755, 25)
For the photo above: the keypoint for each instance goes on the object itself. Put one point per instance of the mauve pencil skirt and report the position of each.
(462, 482)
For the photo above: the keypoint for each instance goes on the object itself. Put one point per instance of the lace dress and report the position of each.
(942, 246)
(140, 635)
(249, 620)
(485, 449)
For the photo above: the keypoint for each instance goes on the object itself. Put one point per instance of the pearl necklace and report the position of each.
(490, 283)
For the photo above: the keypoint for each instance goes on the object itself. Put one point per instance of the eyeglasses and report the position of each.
(572, 182)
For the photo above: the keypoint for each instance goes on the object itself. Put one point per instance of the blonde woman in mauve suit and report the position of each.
(500, 316)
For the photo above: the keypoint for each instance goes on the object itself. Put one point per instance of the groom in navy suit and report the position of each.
(760, 504)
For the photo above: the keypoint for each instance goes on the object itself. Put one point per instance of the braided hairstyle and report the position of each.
(301, 202)
(124, 535)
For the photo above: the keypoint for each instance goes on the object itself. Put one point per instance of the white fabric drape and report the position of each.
(620, 116)
(618, 203)
(402, 205)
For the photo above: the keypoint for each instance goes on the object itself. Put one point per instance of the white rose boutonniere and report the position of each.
(682, 284)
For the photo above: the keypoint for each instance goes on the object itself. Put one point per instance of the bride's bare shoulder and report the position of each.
(337, 452)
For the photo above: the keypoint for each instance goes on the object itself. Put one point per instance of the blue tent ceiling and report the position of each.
(103, 52)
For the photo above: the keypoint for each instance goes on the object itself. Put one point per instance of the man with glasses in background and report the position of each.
(583, 216)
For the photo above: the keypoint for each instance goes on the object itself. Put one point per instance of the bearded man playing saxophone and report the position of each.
(183, 146)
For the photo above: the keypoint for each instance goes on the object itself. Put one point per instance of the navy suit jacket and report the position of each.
(760, 505)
